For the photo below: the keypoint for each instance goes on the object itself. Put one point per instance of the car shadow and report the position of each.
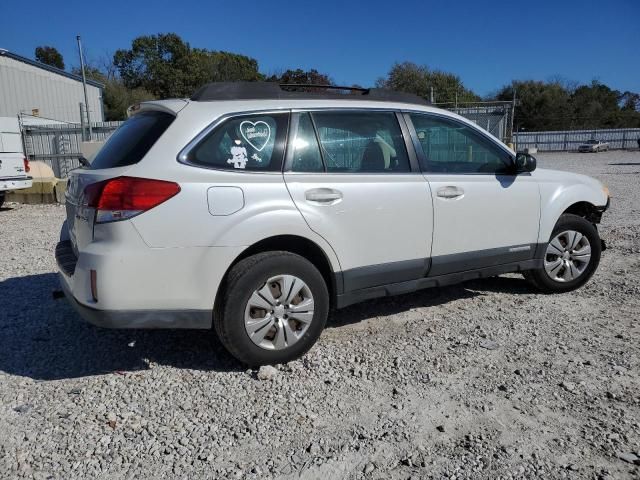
(429, 297)
(44, 339)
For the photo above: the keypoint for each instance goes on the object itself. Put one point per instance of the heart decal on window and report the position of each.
(256, 134)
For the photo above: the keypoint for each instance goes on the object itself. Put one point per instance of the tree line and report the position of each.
(165, 66)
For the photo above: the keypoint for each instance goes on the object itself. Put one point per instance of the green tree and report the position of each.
(541, 106)
(301, 77)
(595, 106)
(50, 56)
(222, 66)
(167, 66)
(630, 101)
(561, 105)
(116, 96)
(419, 79)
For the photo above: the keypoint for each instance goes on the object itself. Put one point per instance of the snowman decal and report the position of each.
(238, 155)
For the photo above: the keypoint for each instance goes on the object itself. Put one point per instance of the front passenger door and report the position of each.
(484, 214)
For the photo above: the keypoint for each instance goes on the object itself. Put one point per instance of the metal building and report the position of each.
(32, 88)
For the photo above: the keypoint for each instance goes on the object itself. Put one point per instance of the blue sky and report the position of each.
(487, 43)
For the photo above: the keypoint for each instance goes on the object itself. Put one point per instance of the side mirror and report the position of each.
(525, 163)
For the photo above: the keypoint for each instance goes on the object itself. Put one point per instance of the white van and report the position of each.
(14, 166)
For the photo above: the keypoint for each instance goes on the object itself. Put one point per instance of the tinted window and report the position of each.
(306, 152)
(361, 142)
(250, 142)
(452, 147)
(132, 140)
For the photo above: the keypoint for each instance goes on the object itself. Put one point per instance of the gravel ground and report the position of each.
(483, 380)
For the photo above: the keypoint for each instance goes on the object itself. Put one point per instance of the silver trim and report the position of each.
(520, 249)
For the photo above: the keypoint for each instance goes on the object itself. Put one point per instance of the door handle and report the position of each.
(450, 191)
(323, 196)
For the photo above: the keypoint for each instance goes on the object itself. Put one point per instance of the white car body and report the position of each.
(13, 167)
(382, 235)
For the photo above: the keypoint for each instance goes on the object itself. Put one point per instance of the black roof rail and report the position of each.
(274, 91)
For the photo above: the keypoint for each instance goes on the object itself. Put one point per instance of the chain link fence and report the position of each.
(58, 145)
(570, 140)
(495, 117)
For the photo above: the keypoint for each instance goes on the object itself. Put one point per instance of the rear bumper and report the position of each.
(15, 183)
(138, 286)
(189, 319)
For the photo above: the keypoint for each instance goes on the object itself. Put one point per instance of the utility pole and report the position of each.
(513, 113)
(432, 97)
(84, 85)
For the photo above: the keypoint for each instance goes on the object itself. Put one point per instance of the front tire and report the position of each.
(571, 256)
(273, 308)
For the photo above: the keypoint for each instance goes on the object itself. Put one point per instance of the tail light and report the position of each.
(27, 168)
(121, 198)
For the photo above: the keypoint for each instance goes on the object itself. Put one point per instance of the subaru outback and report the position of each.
(255, 208)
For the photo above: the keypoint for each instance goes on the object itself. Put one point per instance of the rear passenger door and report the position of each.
(351, 176)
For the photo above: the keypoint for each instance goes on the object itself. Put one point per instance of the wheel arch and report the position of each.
(299, 245)
(577, 199)
(585, 210)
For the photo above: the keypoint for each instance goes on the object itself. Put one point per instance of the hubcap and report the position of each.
(279, 312)
(567, 257)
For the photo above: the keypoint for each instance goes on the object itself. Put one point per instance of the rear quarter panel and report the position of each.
(186, 220)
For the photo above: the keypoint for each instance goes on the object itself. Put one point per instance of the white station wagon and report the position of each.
(255, 209)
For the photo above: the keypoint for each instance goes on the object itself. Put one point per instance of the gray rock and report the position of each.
(489, 344)
(267, 372)
(629, 457)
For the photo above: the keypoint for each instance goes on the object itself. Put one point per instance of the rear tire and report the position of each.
(1, 199)
(273, 307)
(571, 256)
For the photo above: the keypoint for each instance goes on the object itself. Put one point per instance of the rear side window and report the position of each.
(132, 140)
(306, 152)
(361, 142)
(248, 142)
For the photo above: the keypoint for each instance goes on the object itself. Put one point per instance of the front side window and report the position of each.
(248, 142)
(361, 142)
(452, 147)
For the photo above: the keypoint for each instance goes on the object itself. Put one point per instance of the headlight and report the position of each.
(605, 189)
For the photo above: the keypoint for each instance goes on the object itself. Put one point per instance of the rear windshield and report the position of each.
(132, 140)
